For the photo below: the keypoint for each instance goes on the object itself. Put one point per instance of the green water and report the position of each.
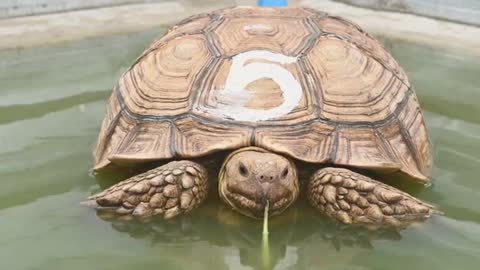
(52, 101)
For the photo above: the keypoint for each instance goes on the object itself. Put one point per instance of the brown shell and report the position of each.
(357, 106)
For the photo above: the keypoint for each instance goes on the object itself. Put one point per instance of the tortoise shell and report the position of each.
(294, 81)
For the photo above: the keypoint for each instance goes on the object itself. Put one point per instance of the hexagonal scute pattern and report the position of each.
(295, 81)
(161, 83)
(288, 36)
(355, 87)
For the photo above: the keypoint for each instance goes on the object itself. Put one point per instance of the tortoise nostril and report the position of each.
(266, 178)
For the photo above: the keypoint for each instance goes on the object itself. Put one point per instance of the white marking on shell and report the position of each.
(242, 74)
(257, 26)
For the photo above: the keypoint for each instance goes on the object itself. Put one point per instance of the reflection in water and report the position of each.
(222, 227)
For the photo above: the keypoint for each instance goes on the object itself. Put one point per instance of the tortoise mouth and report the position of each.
(254, 206)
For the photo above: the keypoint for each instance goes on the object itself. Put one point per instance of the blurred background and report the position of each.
(22, 24)
(465, 11)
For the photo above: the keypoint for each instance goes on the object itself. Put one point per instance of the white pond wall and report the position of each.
(464, 11)
(16, 8)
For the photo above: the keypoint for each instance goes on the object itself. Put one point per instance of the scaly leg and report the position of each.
(167, 191)
(354, 198)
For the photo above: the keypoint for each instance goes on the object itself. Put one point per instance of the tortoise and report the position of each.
(273, 87)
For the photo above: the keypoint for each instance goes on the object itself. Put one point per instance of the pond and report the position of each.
(52, 101)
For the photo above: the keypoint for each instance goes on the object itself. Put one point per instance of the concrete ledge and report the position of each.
(404, 26)
(23, 32)
(17, 8)
(43, 30)
(463, 11)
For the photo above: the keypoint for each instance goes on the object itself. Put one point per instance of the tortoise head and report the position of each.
(251, 176)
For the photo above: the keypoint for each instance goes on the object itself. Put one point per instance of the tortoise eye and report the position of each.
(242, 169)
(284, 173)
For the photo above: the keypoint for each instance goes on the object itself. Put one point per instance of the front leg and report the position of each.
(167, 191)
(354, 198)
